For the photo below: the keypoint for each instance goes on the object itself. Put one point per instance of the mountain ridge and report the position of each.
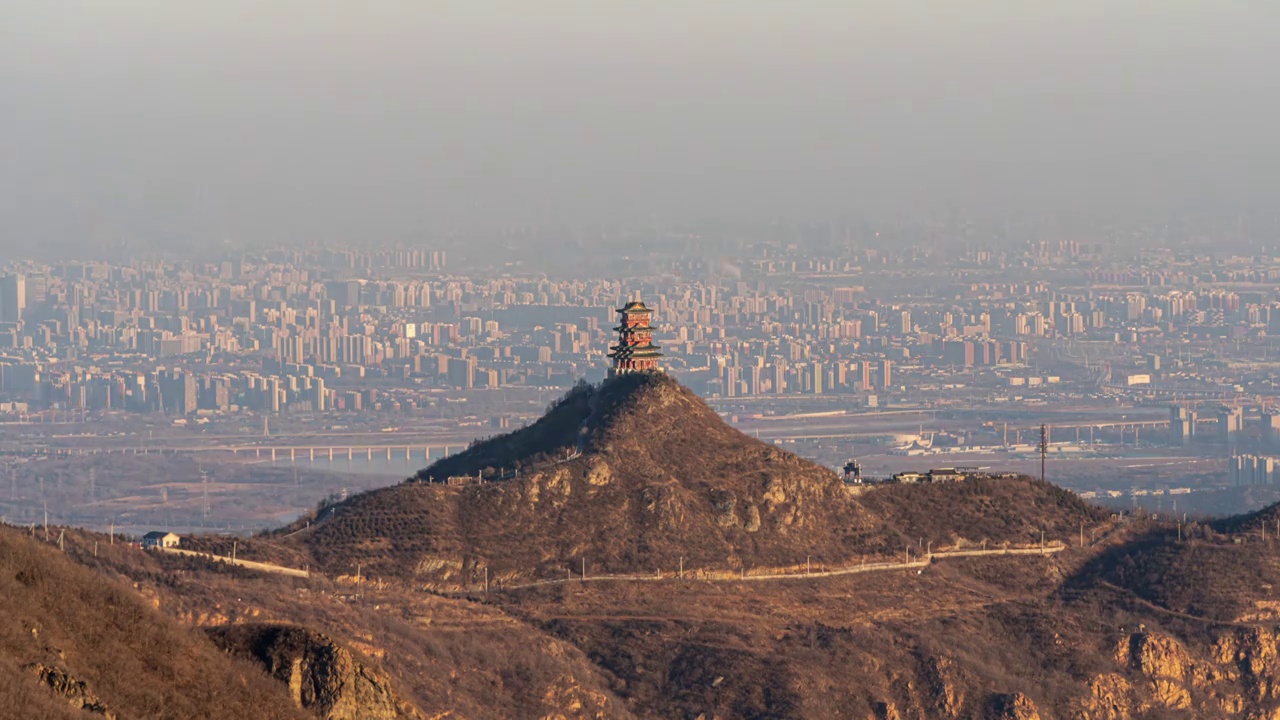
(1153, 620)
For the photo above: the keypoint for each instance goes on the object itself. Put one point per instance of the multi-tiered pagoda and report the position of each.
(635, 351)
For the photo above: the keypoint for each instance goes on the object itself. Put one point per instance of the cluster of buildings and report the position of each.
(292, 330)
(853, 477)
(1229, 425)
(1253, 470)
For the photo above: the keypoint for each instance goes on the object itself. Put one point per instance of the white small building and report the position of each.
(157, 539)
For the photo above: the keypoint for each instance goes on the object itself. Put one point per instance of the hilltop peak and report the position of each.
(624, 411)
(639, 475)
(635, 472)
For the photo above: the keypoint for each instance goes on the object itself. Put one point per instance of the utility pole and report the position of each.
(1044, 448)
(204, 488)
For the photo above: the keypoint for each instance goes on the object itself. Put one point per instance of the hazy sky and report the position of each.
(295, 119)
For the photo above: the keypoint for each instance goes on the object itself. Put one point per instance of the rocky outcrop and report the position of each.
(566, 699)
(1110, 698)
(323, 676)
(886, 711)
(1012, 706)
(75, 691)
(1166, 665)
(1252, 655)
(945, 689)
(1239, 678)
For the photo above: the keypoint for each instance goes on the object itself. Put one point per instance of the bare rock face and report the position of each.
(565, 699)
(886, 711)
(1240, 677)
(944, 688)
(75, 691)
(1165, 663)
(1255, 655)
(1012, 706)
(1110, 698)
(323, 676)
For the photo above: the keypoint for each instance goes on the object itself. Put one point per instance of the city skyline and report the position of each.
(1160, 362)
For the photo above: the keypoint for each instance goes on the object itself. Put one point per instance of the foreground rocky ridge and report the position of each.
(78, 641)
(1151, 621)
(1069, 635)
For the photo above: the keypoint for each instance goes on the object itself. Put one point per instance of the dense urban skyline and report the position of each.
(951, 348)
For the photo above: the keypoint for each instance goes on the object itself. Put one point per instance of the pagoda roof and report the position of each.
(635, 307)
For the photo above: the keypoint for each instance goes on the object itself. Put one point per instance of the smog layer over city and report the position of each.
(640, 360)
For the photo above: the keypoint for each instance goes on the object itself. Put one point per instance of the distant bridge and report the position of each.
(292, 453)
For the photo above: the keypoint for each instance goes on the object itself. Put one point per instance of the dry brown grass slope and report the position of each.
(100, 646)
(428, 655)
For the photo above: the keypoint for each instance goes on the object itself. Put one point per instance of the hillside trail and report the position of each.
(727, 576)
(247, 564)
(692, 575)
(1147, 604)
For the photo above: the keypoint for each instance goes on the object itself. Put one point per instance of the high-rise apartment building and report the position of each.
(13, 297)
